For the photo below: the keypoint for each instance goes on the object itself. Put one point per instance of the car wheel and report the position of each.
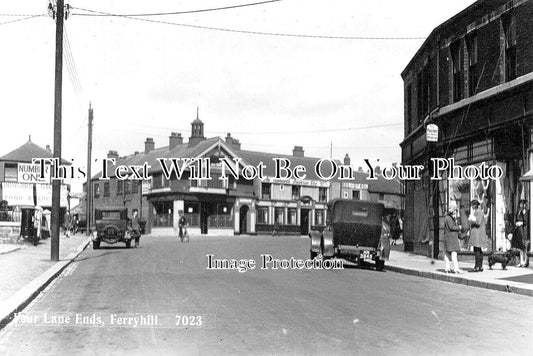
(96, 245)
(313, 255)
(380, 265)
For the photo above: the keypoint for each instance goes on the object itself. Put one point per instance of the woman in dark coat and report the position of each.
(478, 237)
(520, 238)
(451, 241)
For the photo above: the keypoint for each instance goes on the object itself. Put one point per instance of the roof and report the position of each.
(385, 186)
(27, 152)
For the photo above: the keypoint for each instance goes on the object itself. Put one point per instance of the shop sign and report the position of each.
(304, 182)
(355, 186)
(146, 186)
(31, 173)
(17, 193)
(44, 195)
(432, 133)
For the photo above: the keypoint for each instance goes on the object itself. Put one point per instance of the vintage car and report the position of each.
(111, 226)
(355, 231)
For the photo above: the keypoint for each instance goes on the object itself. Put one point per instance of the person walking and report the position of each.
(182, 224)
(135, 227)
(451, 241)
(478, 238)
(520, 239)
(394, 229)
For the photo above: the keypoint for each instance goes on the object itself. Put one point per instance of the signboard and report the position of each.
(432, 133)
(31, 173)
(361, 186)
(44, 195)
(146, 186)
(17, 193)
(304, 182)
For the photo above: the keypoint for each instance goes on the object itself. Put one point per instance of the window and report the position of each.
(381, 196)
(262, 215)
(473, 75)
(457, 71)
(295, 192)
(509, 31)
(356, 195)
(127, 187)
(265, 190)
(409, 106)
(319, 217)
(291, 216)
(192, 213)
(10, 172)
(158, 181)
(278, 215)
(162, 213)
(96, 190)
(106, 189)
(134, 186)
(120, 187)
(322, 195)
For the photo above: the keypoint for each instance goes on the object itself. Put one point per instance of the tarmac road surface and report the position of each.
(161, 299)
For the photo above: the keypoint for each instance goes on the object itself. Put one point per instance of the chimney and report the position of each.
(346, 160)
(149, 145)
(174, 139)
(233, 142)
(298, 151)
(48, 148)
(112, 154)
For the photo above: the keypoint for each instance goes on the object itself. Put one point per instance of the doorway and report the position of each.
(304, 221)
(243, 220)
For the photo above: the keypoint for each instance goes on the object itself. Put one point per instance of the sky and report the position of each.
(146, 78)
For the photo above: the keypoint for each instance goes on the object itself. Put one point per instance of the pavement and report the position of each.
(512, 280)
(25, 270)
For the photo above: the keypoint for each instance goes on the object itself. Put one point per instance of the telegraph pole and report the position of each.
(89, 192)
(56, 183)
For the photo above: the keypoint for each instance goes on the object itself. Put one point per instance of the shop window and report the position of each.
(106, 189)
(10, 172)
(192, 214)
(162, 213)
(262, 215)
(319, 217)
(356, 195)
(222, 217)
(322, 195)
(96, 190)
(265, 190)
(295, 192)
(278, 215)
(473, 75)
(120, 186)
(291, 216)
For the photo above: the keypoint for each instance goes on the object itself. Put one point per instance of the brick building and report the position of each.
(232, 206)
(473, 78)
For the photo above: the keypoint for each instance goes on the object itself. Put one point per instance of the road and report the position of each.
(260, 311)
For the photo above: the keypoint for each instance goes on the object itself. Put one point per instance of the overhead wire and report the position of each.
(21, 19)
(262, 33)
(100, 13)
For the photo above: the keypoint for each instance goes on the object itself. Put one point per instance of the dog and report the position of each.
(503, 258)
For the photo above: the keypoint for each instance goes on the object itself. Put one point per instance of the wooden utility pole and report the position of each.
(89, 192)
(56, 183)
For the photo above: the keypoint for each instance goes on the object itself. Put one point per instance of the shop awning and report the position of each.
(528, 177)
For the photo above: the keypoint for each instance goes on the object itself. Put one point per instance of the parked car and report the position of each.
(355, 231)
(111, 226)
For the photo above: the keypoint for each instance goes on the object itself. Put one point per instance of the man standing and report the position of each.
(135, 227)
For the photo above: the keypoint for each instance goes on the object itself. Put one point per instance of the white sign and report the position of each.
(354, 185)
(44, 195)
(17, 193)
(432, 133)
(146, 186)
(31, 173)
(310, 183)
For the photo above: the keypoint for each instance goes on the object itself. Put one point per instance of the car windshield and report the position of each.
(110, 215)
